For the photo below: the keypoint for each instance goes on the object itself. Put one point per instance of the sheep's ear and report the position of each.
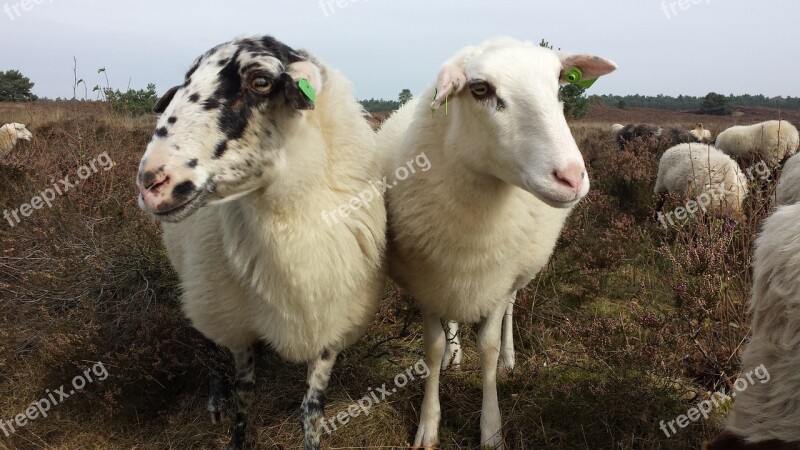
(303, 83)
(451, 81)
(591, 67)
(162, 103)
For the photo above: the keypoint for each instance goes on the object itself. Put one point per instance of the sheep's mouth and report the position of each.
(180, 212)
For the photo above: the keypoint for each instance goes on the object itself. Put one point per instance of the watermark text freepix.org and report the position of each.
(329, 7)
(15, 10)
(41, 408)
(376, 189)
(374, 397)
(671, 7)
(718, 398)
(713, 195)
(47, 196)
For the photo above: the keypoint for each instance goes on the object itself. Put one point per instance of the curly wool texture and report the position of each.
(696, 169)
(772, 140)
(788, 190)
(771, 410)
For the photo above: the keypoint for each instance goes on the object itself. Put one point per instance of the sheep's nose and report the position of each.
(152, 187)
(572, 177)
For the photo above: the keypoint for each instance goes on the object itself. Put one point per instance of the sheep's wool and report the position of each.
(8, 139)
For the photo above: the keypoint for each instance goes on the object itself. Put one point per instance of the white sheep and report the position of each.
(483, 221)
(10, 133)
(765, 413)
(788, 189)
(701, 133)
(616, 128)
(772, 140)
(254, 168)
(704, 173)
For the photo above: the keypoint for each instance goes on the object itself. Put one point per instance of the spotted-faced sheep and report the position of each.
(484, 220)
(788, 189)
(765, 414)
(250, 153)
(653, 135)
(772, 140)
(10, 133)
(703, 172)
(701, 133)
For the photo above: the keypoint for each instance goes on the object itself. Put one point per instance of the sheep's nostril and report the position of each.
(572, 177)
(152, 182)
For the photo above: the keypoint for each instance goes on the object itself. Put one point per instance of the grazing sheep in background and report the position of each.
(484, 220)
(616, 128)
(242, 170)
(788, 189)
(765, 415)
(662, 138)
(701, 133)
(10, 133)
(772, 140)
(703, 172)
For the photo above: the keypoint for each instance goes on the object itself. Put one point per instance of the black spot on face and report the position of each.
(222, 62)
(162, 132)
(211, 104)
(172, 120)
(194, 98)
(192, 163)
(183, 191)
(501, 105)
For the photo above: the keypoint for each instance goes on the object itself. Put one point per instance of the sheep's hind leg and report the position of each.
(434, 340)
(313, 408)
(506, 363)
(245, 385)
(452, 352)
(489, 347)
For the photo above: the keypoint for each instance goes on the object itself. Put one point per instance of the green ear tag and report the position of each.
(575, 76)
(307, 89)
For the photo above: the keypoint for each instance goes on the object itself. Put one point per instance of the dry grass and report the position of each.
(627, 325)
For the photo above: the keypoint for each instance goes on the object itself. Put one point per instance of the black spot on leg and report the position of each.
(162, 132)
(192, 163)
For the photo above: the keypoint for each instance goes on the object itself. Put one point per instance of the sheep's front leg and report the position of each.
(506, 363)
(215, 393)
(452, 352)
(434, 340)
(489, 348)
(313, 409)
(244, 386)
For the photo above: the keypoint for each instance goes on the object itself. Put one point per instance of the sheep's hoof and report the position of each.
(214, 408)
(493, 441)
(506, 363)
(427, 436)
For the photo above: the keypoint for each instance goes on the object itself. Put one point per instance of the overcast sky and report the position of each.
(383, 46)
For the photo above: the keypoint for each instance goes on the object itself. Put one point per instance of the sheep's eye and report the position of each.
(260, 84)
(480, 89)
